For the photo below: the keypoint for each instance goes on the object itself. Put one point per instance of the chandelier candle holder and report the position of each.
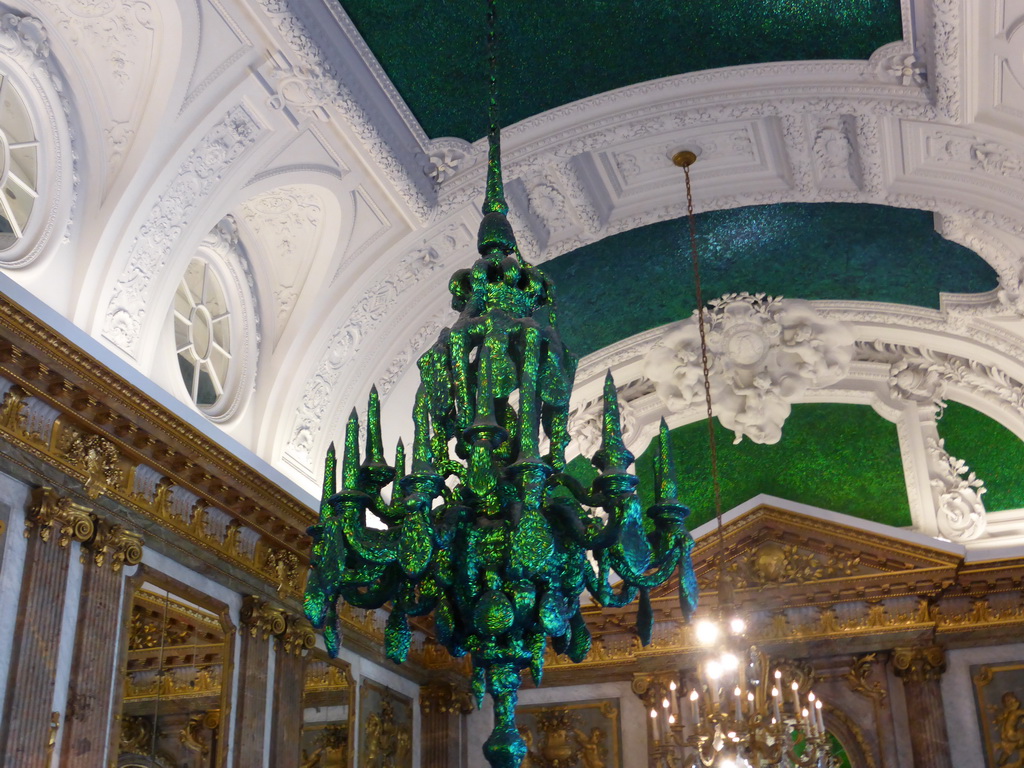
(738, 710)
(484, 532)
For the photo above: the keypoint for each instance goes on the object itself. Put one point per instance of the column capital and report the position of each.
(261, 618)
(444, 698)
(116, 545)
(52, 513)
(919, 664)
(298, 635)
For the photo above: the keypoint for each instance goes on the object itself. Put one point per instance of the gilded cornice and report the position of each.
(70, 411)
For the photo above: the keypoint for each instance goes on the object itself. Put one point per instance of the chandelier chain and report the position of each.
(699, 298)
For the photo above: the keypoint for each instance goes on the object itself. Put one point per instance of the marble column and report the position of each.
(441, 706)
(88, 718)
(51, 524)
(260, 621)
(289, 682)
(920, 669)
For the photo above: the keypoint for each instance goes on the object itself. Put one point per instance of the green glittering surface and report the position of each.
(557, 51)
(796, 250)
(845, 458)
(485, 532)
(992, 452)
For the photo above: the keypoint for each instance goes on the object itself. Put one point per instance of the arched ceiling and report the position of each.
(864, 155)
(553, 52)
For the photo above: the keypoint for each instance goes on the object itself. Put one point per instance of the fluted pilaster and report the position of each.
(441, 706)
(260, 622)
(921, 668)
(52, 522)
(289, 679)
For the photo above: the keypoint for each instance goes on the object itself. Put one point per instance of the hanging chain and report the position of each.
(698, 296)
(492, 62)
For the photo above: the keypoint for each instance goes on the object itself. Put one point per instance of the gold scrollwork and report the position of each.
(298, 636)
(51, 512)
(194, 735)
(858, 674)
(259, 617)
(115, 545)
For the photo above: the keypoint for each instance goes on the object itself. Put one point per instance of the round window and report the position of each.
(202, 334)
(19, 150)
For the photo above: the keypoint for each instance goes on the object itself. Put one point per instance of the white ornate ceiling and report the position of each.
(164, 117)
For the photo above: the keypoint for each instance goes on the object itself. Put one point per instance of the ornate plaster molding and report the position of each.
(315, 82)
(764, 353)
(168, 219)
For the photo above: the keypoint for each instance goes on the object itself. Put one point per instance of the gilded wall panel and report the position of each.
(385, 727)
(999, 696)
(578, 734)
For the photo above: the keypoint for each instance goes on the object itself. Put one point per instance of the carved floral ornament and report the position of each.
(763, 354)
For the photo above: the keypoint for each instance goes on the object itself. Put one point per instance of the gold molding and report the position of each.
(298, 636)
(106, 432)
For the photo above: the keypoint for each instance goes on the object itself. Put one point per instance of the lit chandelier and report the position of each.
(484, 532)
(734, 710)
(738, 710)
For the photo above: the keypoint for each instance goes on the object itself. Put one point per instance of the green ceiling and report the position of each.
(991, 451)
(556, 51)
(797, 250)
(840, 457)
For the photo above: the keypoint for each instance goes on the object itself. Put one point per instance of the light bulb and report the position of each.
(693, 695)
(817, 704)
(775, 693)
(737, 625)
(737, 691)
(750, 696)
(778, 674)
(672, 686)
(713, 669)
(731, 735)
(810, 696)
(654, 714)
(804, 713)
(671, 719)
(795, 686)
(664, 703)
(729, 661)
(707, 632)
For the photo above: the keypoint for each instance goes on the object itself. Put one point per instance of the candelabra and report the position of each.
(737, 709)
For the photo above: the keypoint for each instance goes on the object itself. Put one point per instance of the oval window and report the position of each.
(202, 334)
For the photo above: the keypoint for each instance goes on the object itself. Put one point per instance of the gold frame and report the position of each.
(320, 656)
(144, 574)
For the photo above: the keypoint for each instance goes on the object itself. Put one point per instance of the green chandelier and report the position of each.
(493, 538)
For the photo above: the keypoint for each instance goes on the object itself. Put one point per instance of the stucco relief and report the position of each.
(168, 218)
(118, 38)
(313, 76)
(957, 492)
(342, 346)
(763, 354)
(288, 222)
